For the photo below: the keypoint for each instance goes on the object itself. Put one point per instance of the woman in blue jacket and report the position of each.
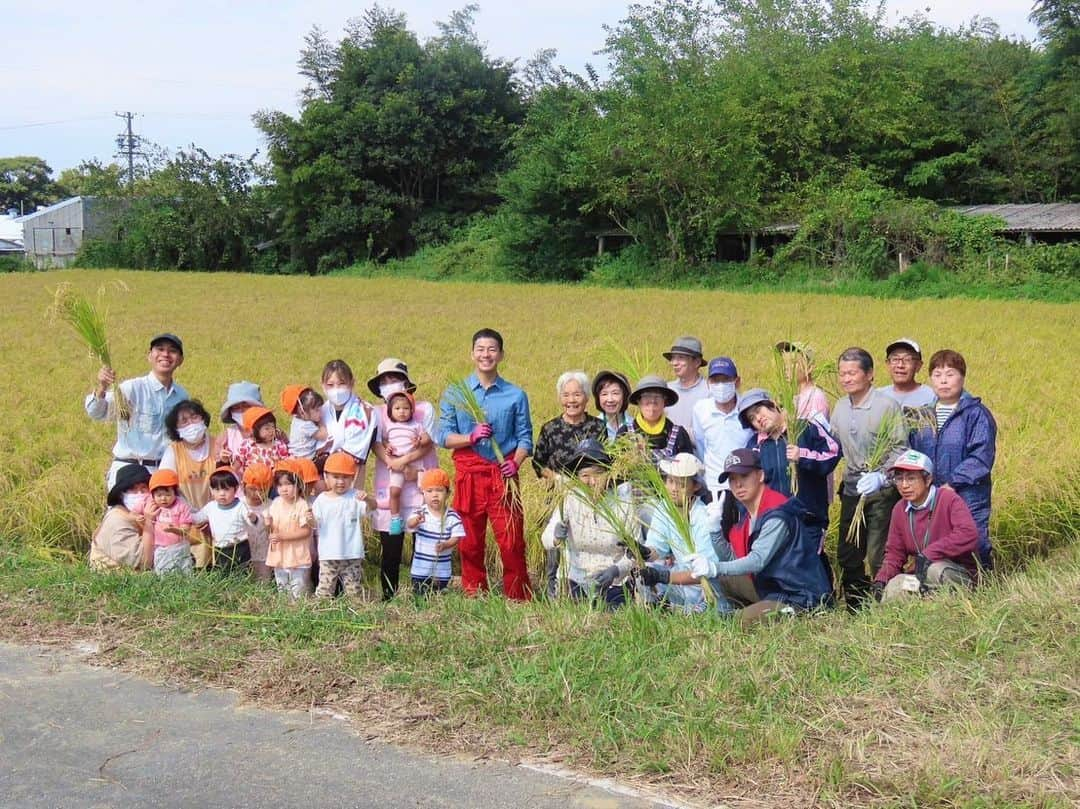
(959, 435)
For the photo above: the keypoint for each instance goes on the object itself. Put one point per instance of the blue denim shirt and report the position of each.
(507, 410)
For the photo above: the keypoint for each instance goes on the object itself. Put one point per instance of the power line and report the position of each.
(53, 123)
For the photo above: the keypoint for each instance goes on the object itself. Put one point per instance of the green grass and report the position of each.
(965, 700)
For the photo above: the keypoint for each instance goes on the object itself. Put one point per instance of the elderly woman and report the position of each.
(192, 456)
(392, 376)
(557, 443)
(611, 392)
(558, 439)
(660, 435)
(125, 538)
(593, 524)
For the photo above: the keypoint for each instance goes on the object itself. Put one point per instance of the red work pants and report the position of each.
(481, 494)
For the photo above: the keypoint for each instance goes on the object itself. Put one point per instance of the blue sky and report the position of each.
(194, 72)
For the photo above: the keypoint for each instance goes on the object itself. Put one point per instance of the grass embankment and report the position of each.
(958, 701)
(477, 260)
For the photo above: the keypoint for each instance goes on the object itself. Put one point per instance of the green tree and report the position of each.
(25, 183)
(397, 143)
(91, 178)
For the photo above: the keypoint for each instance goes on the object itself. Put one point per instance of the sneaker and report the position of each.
(397, 525)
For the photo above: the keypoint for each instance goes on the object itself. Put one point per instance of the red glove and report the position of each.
(479, 433)
(509, 468)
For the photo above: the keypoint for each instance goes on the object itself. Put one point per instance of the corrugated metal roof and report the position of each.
(10, 246)
(1040, 218)
(50, 208)
(10, 228)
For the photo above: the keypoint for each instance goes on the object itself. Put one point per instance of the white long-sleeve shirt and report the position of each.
(143, 435)
(351, 430)
(716, 434)
(592, 543)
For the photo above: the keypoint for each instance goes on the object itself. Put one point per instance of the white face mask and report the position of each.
(391, 387)
(338, 396)
(237, 417)
(722, 391)
(134, 501)
(192, 433)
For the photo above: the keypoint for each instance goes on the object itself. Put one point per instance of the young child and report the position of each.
(307, 433)
(227, 517)
(171, 517)
(339, 516)
(290, 522)
(436, 532)
(265, 445)
(258, 478)
(399, 436)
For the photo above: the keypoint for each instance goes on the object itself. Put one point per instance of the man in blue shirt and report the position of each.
(487, 454)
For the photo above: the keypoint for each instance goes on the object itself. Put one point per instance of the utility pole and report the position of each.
(127, 145)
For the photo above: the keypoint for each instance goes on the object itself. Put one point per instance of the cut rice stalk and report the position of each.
(87, 320)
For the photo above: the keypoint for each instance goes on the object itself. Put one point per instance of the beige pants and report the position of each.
(938, 575)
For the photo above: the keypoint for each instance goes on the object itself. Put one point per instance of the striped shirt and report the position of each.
(943, 412)
(435, 528)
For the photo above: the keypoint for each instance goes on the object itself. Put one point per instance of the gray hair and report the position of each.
(859, 355)
(580, 377)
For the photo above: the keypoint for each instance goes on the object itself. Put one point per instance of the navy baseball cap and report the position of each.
(167, 337)
(723, 366)
(739, 462)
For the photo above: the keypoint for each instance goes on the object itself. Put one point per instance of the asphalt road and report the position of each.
(72, 735)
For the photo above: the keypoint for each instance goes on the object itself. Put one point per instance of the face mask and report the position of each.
(338, 396)
(391, 387)
(192, 433)
(237, 417)
(133, 501)
(722, 391)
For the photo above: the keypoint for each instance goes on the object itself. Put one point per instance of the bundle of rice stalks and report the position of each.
(786, 385)
(632, 364)
(886, 439)
(87, 320)
(461, 395)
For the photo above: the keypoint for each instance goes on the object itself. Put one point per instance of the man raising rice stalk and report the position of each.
(870, 428)
(141, 437)
(485, 420)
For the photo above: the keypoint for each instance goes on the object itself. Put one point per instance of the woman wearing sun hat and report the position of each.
(125, 539)
(659, 434)
(391, 377)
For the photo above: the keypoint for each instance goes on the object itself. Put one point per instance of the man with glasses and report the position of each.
(904, 358)
(931, 526)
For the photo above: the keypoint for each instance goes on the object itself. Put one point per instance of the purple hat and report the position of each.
(739, 462)
(723, 366)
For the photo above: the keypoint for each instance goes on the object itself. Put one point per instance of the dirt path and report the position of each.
(72, 735)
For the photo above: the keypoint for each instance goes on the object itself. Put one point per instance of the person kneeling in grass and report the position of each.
(782, 555)
(593, 523)
(680, 587)
(931, 525)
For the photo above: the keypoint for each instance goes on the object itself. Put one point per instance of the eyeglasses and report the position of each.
(906, 359)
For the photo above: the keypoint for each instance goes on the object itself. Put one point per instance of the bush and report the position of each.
(16, 263)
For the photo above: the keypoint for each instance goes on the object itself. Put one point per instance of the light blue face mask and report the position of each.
(338, 396)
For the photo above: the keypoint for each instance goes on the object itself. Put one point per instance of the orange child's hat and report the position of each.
(163, 478)
(259, 475)
(340, 463)
(291, 395)
(253, 414)
(303, 468)
(434, 478)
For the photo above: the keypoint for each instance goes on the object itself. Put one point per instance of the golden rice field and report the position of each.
(281, 330)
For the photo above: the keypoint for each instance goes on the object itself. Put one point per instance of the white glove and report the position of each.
(562, 531)
(702, 567)
(870, 483)
(715, 511)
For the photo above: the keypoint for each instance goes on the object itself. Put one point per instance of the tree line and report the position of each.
(713, 119)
